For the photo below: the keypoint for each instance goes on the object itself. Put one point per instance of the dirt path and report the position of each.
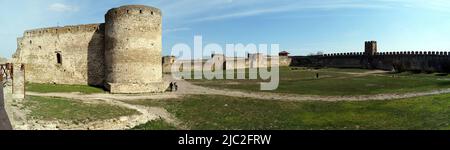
(362, 74)
(125, 122)
(366, 73)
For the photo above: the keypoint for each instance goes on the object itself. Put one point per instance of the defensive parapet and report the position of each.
(63, 30)
(422, 61)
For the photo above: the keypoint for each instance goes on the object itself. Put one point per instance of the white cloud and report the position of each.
(194, 11)
(176, 30)
(287, 8)
(58, 7)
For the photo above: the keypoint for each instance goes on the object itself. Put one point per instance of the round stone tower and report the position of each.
(133, 49)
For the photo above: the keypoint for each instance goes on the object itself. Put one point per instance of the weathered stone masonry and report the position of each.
(80, 49)
(123, 54)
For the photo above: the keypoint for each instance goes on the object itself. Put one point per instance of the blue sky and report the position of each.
(299, 26)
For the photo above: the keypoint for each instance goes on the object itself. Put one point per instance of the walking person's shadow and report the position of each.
(5, 124)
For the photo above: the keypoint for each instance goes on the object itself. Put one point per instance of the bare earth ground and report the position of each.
(185, 88)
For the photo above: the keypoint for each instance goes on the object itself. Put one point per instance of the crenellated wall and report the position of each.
(412, 61)
(425, 61)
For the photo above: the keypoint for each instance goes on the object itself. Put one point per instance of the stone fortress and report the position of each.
(252, 60)
(416, 61)
(123, 54)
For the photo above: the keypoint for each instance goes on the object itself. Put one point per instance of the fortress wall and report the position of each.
(345, 61)
(412, 61)
(303, 61)
(197, 64)
(340, 60)
(236, 63)
(257, 60)
(80, 49)
(428, 61)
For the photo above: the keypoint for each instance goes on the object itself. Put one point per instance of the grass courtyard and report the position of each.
(338, 82)
(49, 108)
(213, 112)
(55, 88)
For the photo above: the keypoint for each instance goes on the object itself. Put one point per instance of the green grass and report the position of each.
(333, 82)
(48, 108)
(155, 125)
(50, 88)
(222, 112)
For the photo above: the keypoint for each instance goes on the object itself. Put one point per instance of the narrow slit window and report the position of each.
(58, 58)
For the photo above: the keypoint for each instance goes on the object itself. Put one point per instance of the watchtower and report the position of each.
(133, 49)
(370, 48)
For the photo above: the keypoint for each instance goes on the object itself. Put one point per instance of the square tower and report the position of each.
(370, 48)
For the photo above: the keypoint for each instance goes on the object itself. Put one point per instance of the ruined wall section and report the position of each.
(257, 60)
(167, 63)
(236, 63)
(284, 60)
(18, 82)
(79, 48)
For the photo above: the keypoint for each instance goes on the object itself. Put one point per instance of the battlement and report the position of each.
(370, 42)
(417, 53)
(64, 29)
(420, 60)
(399, 53)
(342, 54)
(132, 10)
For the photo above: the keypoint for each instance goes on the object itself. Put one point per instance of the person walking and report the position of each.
(171, 86)
(176, 86)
